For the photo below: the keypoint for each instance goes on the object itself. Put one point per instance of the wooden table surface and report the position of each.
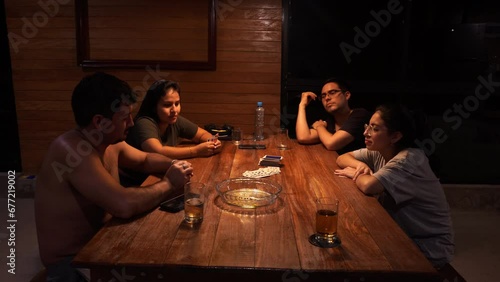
(266, 243)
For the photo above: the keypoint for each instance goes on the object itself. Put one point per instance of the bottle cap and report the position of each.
(259, 104)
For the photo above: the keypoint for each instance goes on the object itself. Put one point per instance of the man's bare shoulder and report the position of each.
(68, 153)
(65, 143)
(60, 159)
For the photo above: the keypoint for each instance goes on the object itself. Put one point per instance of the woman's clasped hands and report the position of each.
(209, 148)
(354, 172)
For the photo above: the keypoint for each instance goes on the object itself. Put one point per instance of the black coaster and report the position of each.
(319, 241)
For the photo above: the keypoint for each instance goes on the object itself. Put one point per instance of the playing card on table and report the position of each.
(262, 172)
(269, 160)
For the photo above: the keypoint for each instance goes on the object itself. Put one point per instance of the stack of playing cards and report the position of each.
(269, 160)
(262, 172)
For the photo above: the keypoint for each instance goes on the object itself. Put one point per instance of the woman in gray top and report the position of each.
(159, 128)
(403, 179)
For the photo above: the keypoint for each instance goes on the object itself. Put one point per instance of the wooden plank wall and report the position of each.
(163, 30)
(43, 52)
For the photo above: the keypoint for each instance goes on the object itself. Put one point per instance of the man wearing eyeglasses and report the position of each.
(343, 130)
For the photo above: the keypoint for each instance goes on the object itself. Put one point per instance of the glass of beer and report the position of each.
(327, 211)
(194, 201)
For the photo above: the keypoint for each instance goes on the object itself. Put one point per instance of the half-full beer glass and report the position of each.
(327, 214)
(194, 201)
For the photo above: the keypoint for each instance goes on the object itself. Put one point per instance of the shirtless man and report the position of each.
(343, 130)
(78, 186)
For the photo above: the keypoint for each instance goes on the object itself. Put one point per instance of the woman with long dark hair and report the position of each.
(159, 127)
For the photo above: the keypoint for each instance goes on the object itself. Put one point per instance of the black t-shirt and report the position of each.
(354, 125)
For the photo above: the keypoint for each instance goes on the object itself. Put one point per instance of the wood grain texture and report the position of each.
(45, 72)
(264, 243)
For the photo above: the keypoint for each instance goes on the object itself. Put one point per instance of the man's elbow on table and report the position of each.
(124, 208)
(334, 146)
(306, 140)
(338, 140)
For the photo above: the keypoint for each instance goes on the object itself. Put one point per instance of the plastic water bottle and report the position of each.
(259, 122)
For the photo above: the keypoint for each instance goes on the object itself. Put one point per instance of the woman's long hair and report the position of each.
(157, 90)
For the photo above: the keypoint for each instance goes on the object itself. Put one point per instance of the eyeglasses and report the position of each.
(369, 129)
(331, 93)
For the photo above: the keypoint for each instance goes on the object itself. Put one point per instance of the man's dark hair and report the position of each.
(343, 85)
(100, 94)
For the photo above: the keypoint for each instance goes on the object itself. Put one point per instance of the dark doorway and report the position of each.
(430, 55)
(10, 150)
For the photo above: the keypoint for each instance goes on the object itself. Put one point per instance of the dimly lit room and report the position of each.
(255, 116)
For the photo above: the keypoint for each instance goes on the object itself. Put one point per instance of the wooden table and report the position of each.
(263, 244)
